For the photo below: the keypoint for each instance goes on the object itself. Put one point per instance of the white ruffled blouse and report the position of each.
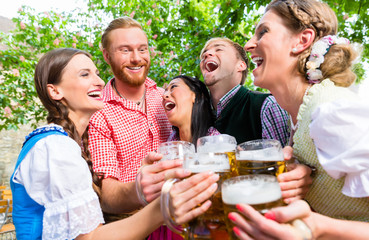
(340, 131)
(56, 176)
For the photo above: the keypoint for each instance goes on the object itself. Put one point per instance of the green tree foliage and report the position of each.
(176, 29)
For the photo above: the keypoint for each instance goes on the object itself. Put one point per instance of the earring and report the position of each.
(294, 50)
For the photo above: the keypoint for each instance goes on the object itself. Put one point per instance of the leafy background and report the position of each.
(177, 30)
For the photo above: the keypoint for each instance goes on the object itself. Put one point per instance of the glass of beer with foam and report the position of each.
(175, 149)
(262, 156)
(170, 150)
(210, 225)
(222, 143)
(261, 191)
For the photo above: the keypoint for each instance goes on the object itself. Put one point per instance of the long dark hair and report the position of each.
(49, 70)
(202, 117)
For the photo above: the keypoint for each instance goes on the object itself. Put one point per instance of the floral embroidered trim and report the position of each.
(316, 58)
(46, 128)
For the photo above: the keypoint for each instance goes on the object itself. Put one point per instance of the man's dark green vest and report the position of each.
(241, 117)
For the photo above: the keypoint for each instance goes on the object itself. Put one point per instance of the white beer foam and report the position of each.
(176, 151)
(204, 168)
(201, 162)
(267, 154)
(216, 147)
(251, 192)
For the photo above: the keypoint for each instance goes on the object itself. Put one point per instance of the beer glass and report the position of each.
(210, 225)
(261, 191)
(222, 143)
(262, 156)
(175, 149)
(170, 150)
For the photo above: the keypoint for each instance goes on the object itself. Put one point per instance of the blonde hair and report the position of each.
(241, 53)
(123, 22)
(299, 15)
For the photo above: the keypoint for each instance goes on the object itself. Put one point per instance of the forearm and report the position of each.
(330, 228)
(138, 226)
(118, 197)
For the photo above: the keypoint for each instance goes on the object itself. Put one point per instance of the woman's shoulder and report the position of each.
(53, 150)
(56, 164)
(54, 138)
(321, 93)
(327, 91)
(48, 129)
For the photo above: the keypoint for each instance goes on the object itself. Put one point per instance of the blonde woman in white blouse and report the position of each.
(308, 68)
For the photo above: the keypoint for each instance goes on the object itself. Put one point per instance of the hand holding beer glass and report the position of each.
(159, 172)
(211, 224)
(265, 156)
(261, 191)
(213, 155)
(259, 162)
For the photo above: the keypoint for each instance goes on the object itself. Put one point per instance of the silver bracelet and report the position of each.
(140, 195)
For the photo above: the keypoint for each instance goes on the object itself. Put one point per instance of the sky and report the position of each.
(9, 9)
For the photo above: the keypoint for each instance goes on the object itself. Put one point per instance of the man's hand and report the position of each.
(153, 176)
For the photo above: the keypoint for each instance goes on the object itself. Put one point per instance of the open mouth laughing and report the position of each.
(257, 60)
(168, 106)
(95, 94)
(211, 66)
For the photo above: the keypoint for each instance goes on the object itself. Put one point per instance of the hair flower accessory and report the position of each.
(316, 58)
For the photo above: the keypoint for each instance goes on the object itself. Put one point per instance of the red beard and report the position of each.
(134, 80)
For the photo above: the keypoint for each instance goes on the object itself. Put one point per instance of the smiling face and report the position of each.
(220, 64)
(178, 102)
(80, 88)
(128, 55)
(270, 50)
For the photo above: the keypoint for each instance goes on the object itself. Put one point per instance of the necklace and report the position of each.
(120, 95)
(293, 126)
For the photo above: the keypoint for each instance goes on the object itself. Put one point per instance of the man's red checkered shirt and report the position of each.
(121, 134)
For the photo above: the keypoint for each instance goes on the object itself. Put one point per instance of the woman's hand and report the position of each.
(275, 224)
(189, 197)
(296, 182)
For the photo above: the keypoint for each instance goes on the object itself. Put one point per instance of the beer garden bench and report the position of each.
(7, 229)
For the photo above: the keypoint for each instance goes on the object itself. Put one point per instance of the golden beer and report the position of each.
(232, 163)
(210, 225)
(246, 167)
(222, 143)
(260, 191)
(260, 157)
